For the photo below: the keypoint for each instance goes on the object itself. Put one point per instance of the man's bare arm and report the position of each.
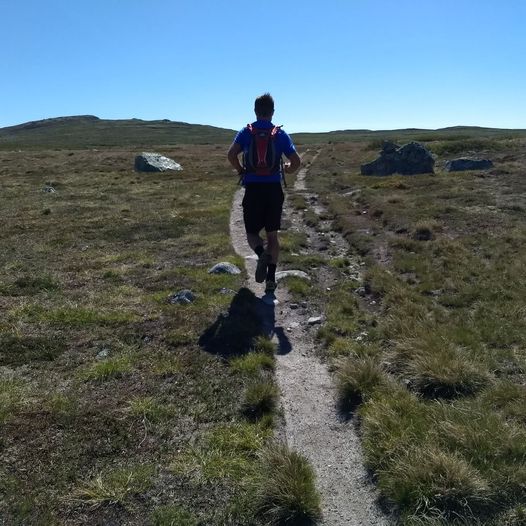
(294, 163)
(233, 157)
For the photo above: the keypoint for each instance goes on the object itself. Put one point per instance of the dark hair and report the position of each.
(264, 105)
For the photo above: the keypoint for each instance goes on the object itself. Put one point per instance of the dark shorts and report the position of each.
(262, 207)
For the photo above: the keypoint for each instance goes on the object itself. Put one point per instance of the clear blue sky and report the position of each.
(377, 64)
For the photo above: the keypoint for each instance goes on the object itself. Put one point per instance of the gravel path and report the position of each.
(313, 426)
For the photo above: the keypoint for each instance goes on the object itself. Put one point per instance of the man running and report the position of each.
(263, 145)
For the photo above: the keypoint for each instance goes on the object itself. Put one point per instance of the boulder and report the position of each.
(155, 162)
(409, 159)
(465, 163)
(224, 268)
(183, 297)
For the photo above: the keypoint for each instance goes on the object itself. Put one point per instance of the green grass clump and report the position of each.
(226, 452)
(17, 350)
(62, 405)
(114, 487)
(173, 516)
(75, 315)
(31, 285)
(166, 365)
(260, 398)
(508, 399)
(285, 489)
(263, 344)
(253, 363)
(357, 378)
(340, 262)
(11, 397)
(437, 368)
(108, 368)
(299, 288)
(439, 485)
(149, 409)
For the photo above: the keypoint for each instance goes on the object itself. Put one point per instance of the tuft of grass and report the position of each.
(435, 484)
(424, 230)
(166, 365)
(63, 406)
(226, 452)
(107, 369)
(173, 515)
(31, 285)
(17, 350)
(285, 489)
(340, 262)
(75, 316)
(260, 398)
(263, 344)
(151, 410)
(11, 397)
(298, 288)
(114, 487)
(507, 398)
(444, 372)
(514, 517)
(253, 363)
(357, 378)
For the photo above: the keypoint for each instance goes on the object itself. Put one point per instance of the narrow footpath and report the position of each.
(313, 426)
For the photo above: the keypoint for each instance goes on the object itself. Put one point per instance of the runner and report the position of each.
(263, 144)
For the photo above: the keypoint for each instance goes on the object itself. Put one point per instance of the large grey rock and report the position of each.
(465, 163)
(155, 162)
(410, 159)
(224, 268)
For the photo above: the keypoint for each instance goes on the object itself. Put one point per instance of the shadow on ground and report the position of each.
(233, 332)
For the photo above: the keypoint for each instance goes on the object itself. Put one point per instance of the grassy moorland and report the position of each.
(430, 348)
(117, 407)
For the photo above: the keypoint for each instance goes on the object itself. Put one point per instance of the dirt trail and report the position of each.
(313, 426)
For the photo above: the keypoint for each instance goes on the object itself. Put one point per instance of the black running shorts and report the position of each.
(262, 207)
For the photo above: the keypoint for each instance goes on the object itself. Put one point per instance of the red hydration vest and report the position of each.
(261, 157)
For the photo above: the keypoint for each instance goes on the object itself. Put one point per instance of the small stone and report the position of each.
(224, 268)
(361, 291)
(227, 291)
(49, 190)
(183, 297)
(293, 306)
(314, 320)
(303, 304)
(104, 353)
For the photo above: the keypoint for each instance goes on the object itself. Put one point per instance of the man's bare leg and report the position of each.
(254, 240)
(273, 246)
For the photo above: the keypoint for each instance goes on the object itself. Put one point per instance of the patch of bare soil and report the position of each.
(313, 424)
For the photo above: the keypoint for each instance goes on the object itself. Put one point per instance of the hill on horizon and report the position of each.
(89, 131)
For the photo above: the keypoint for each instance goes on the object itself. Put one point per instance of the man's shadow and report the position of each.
(233, 332)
